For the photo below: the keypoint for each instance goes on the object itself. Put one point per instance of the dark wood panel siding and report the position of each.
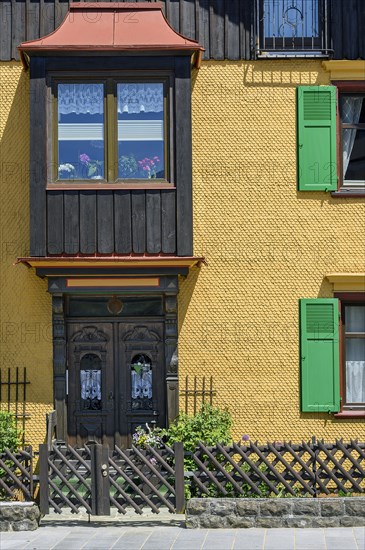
(123, 222)
(71, 222)
(38, 147)
(106, 222)
(218, 24)
(183, 157)
(347, 28)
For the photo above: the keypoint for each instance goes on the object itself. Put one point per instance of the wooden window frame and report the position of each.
(344, 86)
(346, 299)
(110, 80)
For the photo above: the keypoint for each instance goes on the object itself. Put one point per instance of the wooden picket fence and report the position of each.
(16, 475)
(95, 478)
(278, 469)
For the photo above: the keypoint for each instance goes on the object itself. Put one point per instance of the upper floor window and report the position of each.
(287, 26)
(111, 131)
(352, 139)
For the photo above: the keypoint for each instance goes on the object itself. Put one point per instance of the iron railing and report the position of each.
(293, 28)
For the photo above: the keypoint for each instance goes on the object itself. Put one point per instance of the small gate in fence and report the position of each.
(94, 479)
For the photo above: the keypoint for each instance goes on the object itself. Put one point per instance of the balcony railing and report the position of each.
(292, 28)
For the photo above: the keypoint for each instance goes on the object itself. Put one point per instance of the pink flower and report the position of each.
(84, 158)
(156, 159)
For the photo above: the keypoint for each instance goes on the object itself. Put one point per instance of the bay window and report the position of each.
(111, 131)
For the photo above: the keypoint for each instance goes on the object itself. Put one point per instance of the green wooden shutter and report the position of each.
(316, 138)
(319, 351)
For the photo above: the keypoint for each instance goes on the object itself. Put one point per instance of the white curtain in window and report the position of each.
(90, 384)
(142, 383)
(351, 109)
(81, 99)
(140, 98)
(355, 381)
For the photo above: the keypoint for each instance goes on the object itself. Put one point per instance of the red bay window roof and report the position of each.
(112, 27)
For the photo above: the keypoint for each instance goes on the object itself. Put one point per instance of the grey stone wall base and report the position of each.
(270, 512)
(19, 516)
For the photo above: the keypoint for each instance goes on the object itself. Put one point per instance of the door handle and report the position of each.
(111, 395)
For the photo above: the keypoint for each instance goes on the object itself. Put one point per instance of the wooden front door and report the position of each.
(116, 380)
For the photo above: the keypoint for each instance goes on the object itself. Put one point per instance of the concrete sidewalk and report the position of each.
(165, 534)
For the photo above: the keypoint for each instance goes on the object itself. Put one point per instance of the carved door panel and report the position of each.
(91, 409)
(141, 378)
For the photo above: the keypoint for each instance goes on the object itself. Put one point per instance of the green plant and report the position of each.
(211, 425)
(9, 434)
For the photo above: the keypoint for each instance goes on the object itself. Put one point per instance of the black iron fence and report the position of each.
(293, 27)
(13, 395)
(196, 392)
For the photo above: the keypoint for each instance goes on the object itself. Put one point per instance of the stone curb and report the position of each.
(280, 512)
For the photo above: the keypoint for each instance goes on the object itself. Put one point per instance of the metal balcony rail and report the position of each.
(292, 28)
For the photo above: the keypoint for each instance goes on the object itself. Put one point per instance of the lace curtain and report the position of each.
(89, 98)
(81, 99)
(142, 383)
(90, 384)
(351, 109)
(137, 98)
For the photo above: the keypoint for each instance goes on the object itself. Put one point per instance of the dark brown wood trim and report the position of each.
(346, 410)
(347, 194)
(350, 414)
(344, 86)
(350, 296)
(349, 85)
(104, 186)
(342, 357)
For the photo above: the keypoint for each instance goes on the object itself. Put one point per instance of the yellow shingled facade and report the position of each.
(266, 244)
(25, 305)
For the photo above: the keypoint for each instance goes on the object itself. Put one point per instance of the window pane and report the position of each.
(141, 131)
(355, 370)
(355, 319)
(353, 140)
(141, 382)
(291, 18)
(94, 306)
(81, 131)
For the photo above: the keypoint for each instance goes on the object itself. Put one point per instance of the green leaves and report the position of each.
(210, 425)
(9, 434)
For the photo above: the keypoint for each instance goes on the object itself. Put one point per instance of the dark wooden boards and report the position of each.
(107, 222)
(183, 158)
(217, 24)
(38, 157)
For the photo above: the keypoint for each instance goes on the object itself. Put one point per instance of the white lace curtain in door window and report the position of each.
(142, 383)
(351, 109)
(90, 384)
(140, 98)
(81, 99)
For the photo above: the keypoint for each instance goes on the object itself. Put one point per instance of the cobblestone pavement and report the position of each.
(166, 534)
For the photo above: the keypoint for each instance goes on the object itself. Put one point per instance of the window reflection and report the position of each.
(81, 131)
(141, 131)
